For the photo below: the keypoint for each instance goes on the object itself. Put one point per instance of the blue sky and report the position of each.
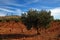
(18, 6)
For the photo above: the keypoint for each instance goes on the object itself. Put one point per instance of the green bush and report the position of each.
(0, 20)
(16, 19)
(32, 18)
(37, 19)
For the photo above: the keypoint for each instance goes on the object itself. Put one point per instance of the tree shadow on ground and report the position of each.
(17, 36)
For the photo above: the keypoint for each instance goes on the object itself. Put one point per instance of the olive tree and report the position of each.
(36, 19)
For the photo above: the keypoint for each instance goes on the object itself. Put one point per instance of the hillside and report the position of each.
(52, 33)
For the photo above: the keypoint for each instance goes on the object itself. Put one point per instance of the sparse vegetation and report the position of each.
(57, 20)
(10, 18)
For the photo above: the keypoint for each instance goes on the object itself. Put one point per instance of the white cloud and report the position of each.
(50, 1)
(6, 10)
(3, 13)
(56, 12)
(11, 2)
(30, 1)
(7, 7)
(18, 12)
(15, 2)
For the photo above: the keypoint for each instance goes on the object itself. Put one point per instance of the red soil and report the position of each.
(19, 28)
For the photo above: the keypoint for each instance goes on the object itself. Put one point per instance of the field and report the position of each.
(17, 31)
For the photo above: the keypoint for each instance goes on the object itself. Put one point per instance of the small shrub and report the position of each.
(7, 20)
(16, 19)
(0, 20)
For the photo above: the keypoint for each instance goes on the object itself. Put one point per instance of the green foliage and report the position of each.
(10, 18)
(15, 19)
(2, 20)
(44, 18)
(57, 20)
(29, 18)
(36, 18)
